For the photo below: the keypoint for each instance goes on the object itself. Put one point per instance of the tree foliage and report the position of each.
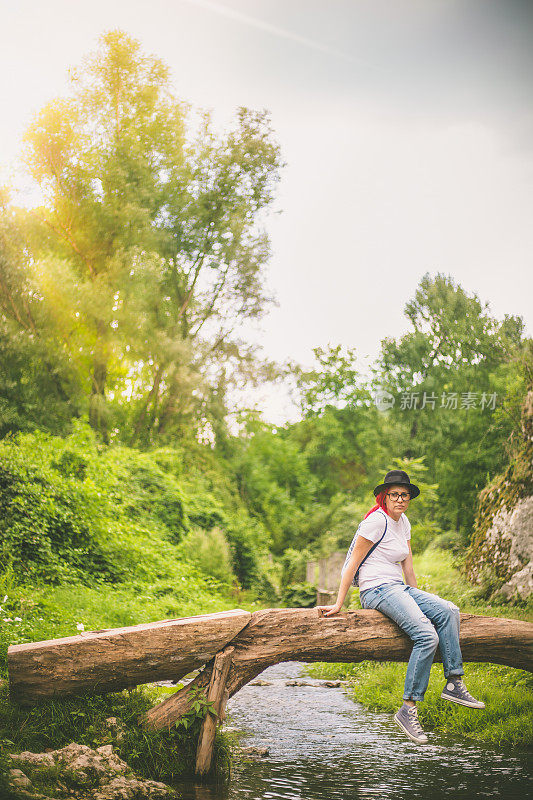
(147, 251)
(334, 381)
(122, 299)
(38, 387)
(456, 347)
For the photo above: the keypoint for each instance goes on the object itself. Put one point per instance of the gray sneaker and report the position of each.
(456, 691)
(407, 719)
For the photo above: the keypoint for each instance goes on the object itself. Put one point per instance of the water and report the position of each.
(323, 746)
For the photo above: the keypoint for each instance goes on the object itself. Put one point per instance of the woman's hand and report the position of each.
(329, 611)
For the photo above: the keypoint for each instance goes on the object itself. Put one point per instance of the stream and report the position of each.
(323, 746)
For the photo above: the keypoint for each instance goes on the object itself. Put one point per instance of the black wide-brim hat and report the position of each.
(397, 477)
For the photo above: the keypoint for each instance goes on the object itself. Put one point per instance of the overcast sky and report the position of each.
(406, 125)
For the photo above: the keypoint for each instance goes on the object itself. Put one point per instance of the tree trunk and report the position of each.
(97, 401)
(168, 410)
(110, 660)
(151, 398)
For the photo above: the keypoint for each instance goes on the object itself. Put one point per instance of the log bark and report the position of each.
(110, 660)
(218, 695)
(276, 635)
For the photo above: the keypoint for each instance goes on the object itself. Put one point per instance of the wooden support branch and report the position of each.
(287, 634)
(165, 714)
(217, 695)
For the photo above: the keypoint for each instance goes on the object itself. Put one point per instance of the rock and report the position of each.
(127, 789)
(34, 760)
(312, 684)
(257, 752)
(85, 767)
(315, 685)
(105, 750)
(18, 779)
(92, 774)
(501, 550)
(260, 683)
(520, 585)
(24, 794)
(508, 544)
(116, 727)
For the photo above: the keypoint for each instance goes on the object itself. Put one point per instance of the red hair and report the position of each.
(380, 503)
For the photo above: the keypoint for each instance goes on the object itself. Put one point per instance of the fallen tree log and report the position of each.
(114, 659)
(288, 634)
(109, 660)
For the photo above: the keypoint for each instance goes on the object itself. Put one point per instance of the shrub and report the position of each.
(52, 526)
(210, 551)
(245, 536)
(141, 489)
(72, 510)
(293, 565)
(205, 512)
(451, 540)
(422, 535)
(299, 595)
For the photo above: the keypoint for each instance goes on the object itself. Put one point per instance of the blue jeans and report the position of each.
(429, 621)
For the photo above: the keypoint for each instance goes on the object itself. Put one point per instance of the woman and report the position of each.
(379, 552)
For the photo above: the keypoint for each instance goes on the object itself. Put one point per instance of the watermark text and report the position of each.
(430, 401)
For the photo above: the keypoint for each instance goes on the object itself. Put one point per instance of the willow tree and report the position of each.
(148, 245)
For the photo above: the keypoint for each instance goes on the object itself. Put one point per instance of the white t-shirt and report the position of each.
(384, 564)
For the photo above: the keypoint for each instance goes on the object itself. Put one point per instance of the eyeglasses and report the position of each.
(399, 496)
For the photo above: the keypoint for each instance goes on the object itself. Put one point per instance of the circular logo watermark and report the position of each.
(383, 400)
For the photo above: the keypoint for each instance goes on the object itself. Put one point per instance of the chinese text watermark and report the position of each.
(419, 401)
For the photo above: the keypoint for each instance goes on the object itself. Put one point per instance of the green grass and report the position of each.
(54, 611)
(95, 537)
(437, 571)
(507, 719)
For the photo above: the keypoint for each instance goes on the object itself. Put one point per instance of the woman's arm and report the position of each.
(362, 546)
(408, 569)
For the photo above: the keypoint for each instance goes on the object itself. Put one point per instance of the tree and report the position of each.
(333, 382)
(299, 478)
(455, 348)
(453, 333)
(148, 246)
(341, 430)
(277, 486)
(38, 385)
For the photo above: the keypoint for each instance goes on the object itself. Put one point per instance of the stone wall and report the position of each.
(326, 572)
